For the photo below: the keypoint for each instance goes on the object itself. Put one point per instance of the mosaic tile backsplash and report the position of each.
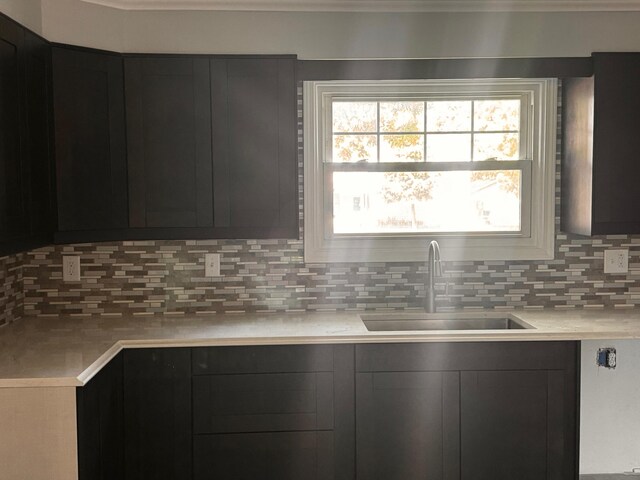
(11, 288)
(140, 278)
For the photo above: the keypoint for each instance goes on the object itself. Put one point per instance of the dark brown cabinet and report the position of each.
(470, 411)
(599, 168)
(27, 212)
(517, 424)
(157, 414)
(14, 220)
(408, 425)
(169, 142)
(289, 409)
(254, 147)
(101, 424)
(212, 146)
(90, 137)
(40, 147)
(466, 411)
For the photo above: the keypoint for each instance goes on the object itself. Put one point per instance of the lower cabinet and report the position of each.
(157, 414)
(464, 411)
(273, 413)
(470, 411)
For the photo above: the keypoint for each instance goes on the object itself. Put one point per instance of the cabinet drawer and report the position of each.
(264, 456)
(263, 359)
(263, 402)
(459, 356)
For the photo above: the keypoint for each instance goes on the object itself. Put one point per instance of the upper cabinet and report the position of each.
(174, 146)
(212, 146)
(91, 160)
(13, 166)
(254, 147)
(169, 142)
(39, 149)
(601, 144)
(27, 207)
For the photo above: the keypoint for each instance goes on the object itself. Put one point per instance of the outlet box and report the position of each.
(71, 268)
(606, 357)
(616, 261)
(212, 265)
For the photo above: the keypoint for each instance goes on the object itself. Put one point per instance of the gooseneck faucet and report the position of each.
(435, 269)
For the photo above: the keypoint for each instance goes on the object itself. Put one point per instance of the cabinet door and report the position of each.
(169, 142)
(264, 456)
(100, 425)
(14, 222)
(254, 147)
(90, 140)
(407, 425)
(157, 414)
(39, 118)
(514, 424)
(616, 104)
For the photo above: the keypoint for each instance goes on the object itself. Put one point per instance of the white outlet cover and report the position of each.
(71, 268)
(616, 261)
(212, 265)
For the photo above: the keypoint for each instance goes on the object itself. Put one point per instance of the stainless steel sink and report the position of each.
(442, 322)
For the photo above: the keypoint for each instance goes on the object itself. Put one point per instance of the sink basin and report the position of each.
(442, 322)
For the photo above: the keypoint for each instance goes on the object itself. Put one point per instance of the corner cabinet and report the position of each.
(27, 213)
(599, 167)
(470, 411)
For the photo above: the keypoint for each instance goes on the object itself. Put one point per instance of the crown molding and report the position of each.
(397, 6)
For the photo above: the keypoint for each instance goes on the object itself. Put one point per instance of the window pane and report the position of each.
(450, 147)
(496, 146)
(496, 115)
(355, 148)
(402, 148)
(355, 117)
(402, 116)
(449, 116)
(396, 202)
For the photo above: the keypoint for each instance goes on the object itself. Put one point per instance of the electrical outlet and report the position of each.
(71, 268)
(616, 261)
(212, 265)
(606, 357)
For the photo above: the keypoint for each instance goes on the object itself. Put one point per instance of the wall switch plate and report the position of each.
(212, 265)
(616, 261)
(71, 268)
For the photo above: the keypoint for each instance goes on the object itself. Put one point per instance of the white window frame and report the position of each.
(535, 241)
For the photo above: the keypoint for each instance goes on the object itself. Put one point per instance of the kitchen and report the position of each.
(128, 276)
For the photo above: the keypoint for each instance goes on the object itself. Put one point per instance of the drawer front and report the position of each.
(264, 456)
(263, 402)
(262, 359)
(493, 356)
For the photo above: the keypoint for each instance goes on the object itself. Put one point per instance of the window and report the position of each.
(389, 165)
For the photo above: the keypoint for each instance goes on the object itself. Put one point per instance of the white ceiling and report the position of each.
(378, 5)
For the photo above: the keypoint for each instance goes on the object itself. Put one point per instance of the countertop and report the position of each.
(50, 352)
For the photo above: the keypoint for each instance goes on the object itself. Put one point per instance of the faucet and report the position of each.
(435, 269)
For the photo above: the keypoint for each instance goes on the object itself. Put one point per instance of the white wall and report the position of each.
(84, 24)
(610, 409)
(25, 12)
(342, 35)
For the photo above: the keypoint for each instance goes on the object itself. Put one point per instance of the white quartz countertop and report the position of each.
(48, 352)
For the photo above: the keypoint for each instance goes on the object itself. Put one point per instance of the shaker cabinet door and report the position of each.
(254, 147)
(91, 162)
(169, 142)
